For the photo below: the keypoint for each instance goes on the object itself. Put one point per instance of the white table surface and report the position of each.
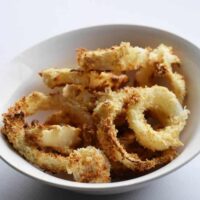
(24, 23)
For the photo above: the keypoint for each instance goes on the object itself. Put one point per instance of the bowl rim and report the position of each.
(120, 184)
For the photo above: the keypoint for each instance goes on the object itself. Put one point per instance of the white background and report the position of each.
(24, 23)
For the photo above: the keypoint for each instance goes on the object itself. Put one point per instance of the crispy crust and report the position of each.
(77, 94)
(94, 80)
(35, 133)
(117, 58)
(163, 102)
(24, 138)
(160, 64)
(89, 165)
(60, 138)
(15, 128)
(59, 118)
(106, 112)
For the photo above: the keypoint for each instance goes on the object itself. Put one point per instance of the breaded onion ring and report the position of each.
(89, 165)
(116, 58)
(53, 77)
(69, 106)
(160, 64)
(61, 138)
(162, 102)
(105, 112)
(14, 128)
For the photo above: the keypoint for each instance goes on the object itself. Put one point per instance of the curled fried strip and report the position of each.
(14, 129)
(106, 111)
(160, 64)
(62, 139)
(116, 58)
(162, 102)
(89, 165)
(53, 77)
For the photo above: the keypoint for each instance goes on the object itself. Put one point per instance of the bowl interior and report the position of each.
(60, 52)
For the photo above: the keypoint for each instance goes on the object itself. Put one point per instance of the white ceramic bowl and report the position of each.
(21, 78)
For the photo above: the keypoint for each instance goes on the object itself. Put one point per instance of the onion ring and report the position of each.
(14, 129)
(161, 101)
(105, 112)
(57, 137)
(94, 80)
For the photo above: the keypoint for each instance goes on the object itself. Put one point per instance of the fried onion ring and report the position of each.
(89, 165)
(162, 102)
(105, 112)
(160, 64)
(116, 58)
(61, 138)
(14, 128)
(69, 106)
(53, 77)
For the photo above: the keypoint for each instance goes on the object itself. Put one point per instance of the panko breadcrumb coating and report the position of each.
(78, 94)
(62, 139)
(15, 128)
(150, 62)
(117, 58)
(106, 111)
(93, 80)
(167, 107)
(89, 165)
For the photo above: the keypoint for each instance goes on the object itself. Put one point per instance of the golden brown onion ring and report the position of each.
(55, 136)
(105, 112)
(15, 128)
(53, 77)
(162, 102)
